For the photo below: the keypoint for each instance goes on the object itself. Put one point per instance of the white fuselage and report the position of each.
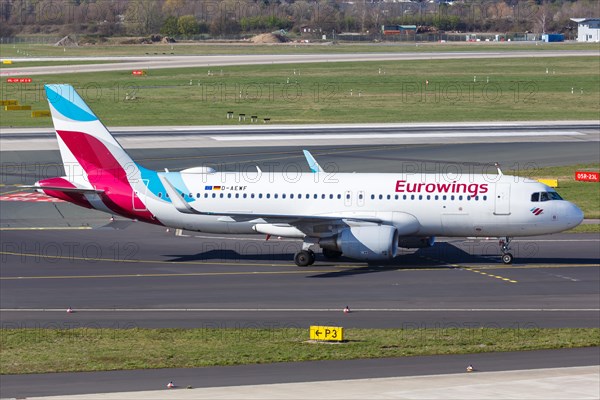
(420, 204)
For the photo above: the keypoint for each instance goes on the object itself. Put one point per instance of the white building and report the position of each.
(588, 29)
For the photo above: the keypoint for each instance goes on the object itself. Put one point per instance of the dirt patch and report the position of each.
(269, 38)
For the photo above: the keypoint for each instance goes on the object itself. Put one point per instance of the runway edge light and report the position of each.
(327, 333)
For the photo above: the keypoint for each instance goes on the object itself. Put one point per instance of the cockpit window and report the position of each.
(535, 197)
(545, 196)
(555, 196)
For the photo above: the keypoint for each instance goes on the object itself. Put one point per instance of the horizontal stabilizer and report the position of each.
(63, 189)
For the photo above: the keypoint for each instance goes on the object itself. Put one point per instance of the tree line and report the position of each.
(184, 19)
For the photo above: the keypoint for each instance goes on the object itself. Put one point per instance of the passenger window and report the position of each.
(237, 195)
(268, 195)
(535, 197)
(228, 195)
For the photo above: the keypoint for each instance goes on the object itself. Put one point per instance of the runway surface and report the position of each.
(490, 133)
(142, 276)
(122, 273)
(168, 61)
(22, 386)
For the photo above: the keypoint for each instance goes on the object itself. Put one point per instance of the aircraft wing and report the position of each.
(309, 224)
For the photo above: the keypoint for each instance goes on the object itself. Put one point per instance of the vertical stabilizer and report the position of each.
(86, 146)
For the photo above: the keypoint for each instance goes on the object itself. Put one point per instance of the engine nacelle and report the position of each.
(365, 242)
(198, 170)
(416, 242)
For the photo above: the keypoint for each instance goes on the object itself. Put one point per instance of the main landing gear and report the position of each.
(304, 258)
(507, 257)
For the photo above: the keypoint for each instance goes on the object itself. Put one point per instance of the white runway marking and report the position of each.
(303, 310)
(486, 134)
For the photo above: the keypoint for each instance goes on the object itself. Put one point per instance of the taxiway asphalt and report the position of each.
(223, 378)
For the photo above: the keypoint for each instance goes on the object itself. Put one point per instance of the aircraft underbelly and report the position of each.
(457, 224)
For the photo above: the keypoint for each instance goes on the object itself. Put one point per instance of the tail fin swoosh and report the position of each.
(86, 145)
(94, 162)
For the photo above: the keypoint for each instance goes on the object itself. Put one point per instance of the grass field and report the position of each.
(55, 350)
(206, 48)
(457, 90)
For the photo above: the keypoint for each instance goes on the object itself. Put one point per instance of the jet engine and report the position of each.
(378, 242)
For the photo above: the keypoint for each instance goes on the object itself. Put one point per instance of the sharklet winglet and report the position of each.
(312, 163)
(179, 204)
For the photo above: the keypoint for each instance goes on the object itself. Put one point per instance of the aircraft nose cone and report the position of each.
(575, 215)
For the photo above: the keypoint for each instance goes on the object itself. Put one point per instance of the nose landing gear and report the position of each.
(507, 257)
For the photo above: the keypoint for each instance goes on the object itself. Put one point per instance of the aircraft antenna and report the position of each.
(498, 168)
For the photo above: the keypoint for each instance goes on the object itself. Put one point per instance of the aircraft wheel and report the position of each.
(312, 257)
(304, 258)
(327, 253)
(507, 258)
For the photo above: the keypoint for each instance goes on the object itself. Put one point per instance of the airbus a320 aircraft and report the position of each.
(362, 216)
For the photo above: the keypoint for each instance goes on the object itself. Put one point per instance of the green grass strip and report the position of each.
(512, 89)
(57, 350)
